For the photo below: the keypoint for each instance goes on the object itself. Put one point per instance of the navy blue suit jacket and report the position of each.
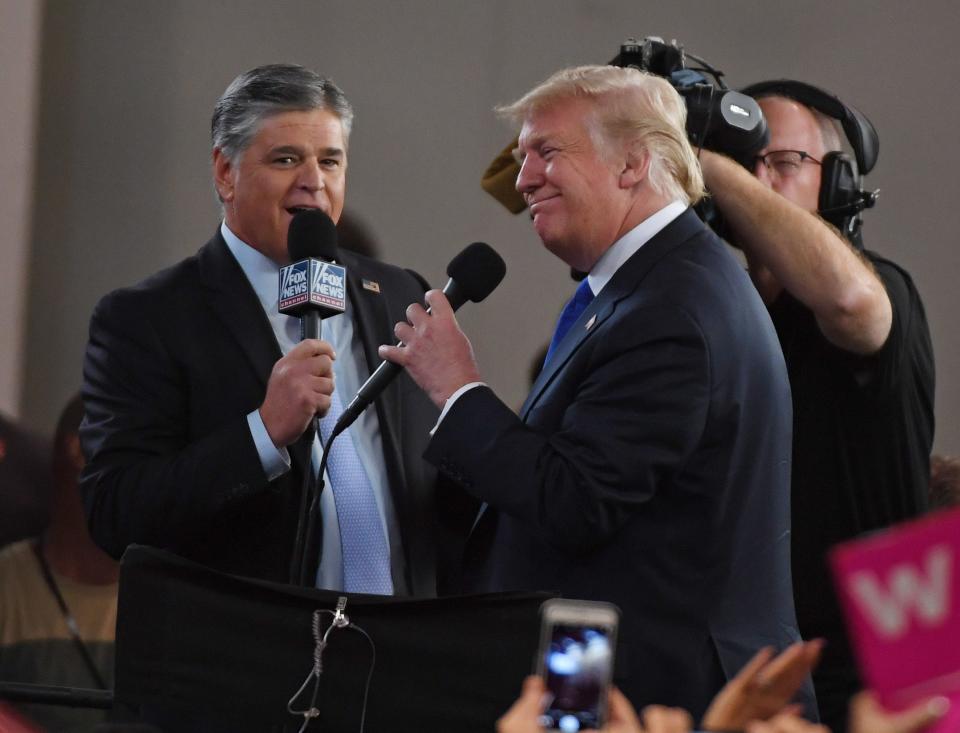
(649, 467)
(172, 368)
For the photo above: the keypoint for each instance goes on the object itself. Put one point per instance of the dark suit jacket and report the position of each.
(172, 368)
(650, 467)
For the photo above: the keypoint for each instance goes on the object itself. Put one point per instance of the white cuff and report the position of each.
(275, 461)
(453, 398)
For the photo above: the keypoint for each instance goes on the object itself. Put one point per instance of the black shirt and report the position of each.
(863, 431)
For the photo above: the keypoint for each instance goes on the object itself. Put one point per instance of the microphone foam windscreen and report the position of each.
(477, 270)
(312, 234)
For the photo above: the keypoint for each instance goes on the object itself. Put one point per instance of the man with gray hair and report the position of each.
(855, 338)
(198, 391)
(649, 466)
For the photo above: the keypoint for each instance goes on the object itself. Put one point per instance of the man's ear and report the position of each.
(222, 175)
(636, 166)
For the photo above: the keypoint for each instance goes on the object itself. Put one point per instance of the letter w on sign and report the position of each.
(922, 593)
(901, 596)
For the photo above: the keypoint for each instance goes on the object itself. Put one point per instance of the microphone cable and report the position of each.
(339, 621)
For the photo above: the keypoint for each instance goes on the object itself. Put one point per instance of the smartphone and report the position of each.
(575, 659)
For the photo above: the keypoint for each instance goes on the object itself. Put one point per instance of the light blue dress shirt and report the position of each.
(350, 364)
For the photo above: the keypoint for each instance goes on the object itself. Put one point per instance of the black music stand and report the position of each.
(201, 650)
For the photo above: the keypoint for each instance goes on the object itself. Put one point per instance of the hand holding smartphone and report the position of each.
(575, 660)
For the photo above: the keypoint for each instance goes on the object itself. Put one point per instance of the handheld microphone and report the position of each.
(312, 287)
(474, 274)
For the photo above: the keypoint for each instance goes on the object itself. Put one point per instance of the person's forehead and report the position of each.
(566, 116)
(793, 126)
(317, 125)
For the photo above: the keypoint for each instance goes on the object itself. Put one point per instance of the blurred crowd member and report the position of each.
(12, 720)
(58, 596)
(757, 700)
(24, 482)
(944, 482)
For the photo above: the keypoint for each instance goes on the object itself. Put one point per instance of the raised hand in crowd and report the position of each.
(763, 688)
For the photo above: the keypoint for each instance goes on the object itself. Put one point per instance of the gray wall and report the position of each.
(19, 55)
(127, 87)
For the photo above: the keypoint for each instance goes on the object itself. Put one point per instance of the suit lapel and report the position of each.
(370, 311)
(235, 303)
(373, 327)
(623, 283)
(232, 298)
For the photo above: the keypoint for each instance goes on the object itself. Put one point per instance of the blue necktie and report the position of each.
(582, 297)
(363, 545)
(366, 555)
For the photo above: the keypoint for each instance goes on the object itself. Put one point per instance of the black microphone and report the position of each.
(312, 287)
(474, 274)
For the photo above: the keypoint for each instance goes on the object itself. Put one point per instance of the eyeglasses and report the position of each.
(783, 163)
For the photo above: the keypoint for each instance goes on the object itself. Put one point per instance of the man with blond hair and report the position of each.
(650, 464)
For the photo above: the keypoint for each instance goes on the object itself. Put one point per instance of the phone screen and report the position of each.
(578, 665)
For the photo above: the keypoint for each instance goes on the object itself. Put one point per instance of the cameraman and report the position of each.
(858, 352)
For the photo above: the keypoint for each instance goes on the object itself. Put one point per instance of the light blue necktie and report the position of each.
(582, 297)
(363, 545)
(366, 555)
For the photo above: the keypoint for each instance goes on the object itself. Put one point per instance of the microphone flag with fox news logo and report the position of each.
(313, 284)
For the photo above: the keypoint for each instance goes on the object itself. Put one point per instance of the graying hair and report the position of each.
(269, 90)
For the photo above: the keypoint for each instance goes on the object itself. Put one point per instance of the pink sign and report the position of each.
(901, 593)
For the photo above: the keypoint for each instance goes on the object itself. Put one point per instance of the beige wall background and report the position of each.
(126, 87)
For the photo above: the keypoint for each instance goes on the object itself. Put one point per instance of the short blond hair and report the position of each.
(630, 106)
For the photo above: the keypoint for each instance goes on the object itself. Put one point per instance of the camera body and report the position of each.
(718, 118)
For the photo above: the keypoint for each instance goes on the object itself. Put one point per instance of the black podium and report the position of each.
(200, 650)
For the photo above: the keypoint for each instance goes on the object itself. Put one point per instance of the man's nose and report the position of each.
(531, 174)
(311, 176)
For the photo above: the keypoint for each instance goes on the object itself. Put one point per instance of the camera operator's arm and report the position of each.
(794, 249)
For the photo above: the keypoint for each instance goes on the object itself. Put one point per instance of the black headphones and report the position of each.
(842, 198)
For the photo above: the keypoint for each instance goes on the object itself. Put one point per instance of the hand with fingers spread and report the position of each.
(866, 715)
(300, 386)
(435, 352)
(763, 687)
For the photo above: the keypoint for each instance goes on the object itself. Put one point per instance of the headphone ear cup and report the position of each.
(839, 187)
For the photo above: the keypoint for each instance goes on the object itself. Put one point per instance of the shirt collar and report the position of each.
(261, 271)
(625, 247)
